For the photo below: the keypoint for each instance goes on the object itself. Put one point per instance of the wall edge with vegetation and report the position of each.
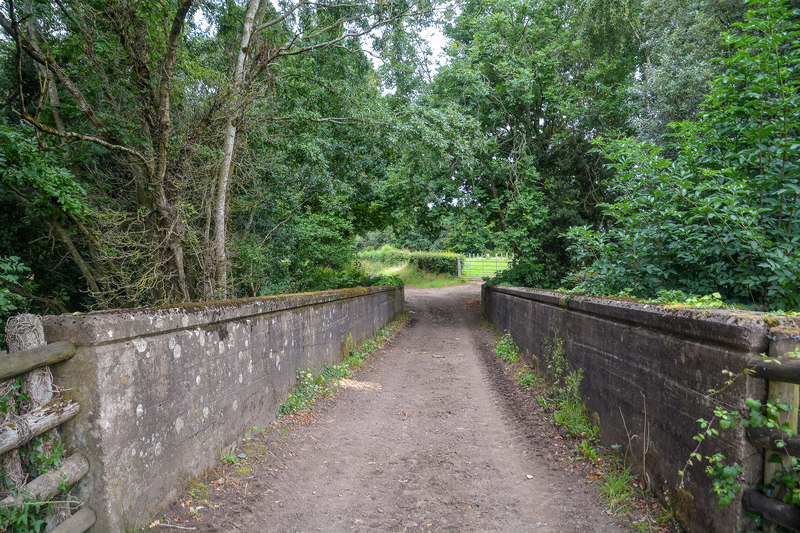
(636, 357)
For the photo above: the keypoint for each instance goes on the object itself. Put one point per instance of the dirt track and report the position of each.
(443, 445)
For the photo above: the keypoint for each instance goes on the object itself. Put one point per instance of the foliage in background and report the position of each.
(537, 83)
(404, 266)
(723, 215)
(677, 42)
(151, 156)
(386, 255)
(520, 75)
(496, 152)
(436, 262)
(12, 272)
(431, 262)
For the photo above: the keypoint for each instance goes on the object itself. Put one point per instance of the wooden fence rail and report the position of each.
(777, 512)
(18, 432)
(29, 358)
(26, 360)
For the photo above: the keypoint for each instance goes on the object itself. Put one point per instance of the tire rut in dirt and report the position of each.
(518, 405)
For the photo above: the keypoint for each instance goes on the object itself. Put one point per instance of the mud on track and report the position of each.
(445, 443)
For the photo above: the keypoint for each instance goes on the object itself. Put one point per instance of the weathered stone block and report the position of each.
(163, 390)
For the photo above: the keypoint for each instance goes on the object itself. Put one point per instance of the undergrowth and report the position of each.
(507, 350)
(557, 393)
(311, 386)
(37, 457)
(618, 488)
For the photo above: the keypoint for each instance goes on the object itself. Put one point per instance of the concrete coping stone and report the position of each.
(743, 330)
(114, 325)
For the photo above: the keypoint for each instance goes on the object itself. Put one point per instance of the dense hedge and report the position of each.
(387, 255)
(434, 262)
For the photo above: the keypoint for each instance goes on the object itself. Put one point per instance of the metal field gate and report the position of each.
(475, 267)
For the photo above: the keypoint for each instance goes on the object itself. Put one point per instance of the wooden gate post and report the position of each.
(24, 332)
(789, 393)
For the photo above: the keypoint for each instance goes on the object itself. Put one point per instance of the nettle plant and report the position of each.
(785, 485)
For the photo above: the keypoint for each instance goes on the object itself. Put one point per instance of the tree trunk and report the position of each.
(229, 145)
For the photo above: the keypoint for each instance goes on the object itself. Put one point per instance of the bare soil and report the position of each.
(431, 436)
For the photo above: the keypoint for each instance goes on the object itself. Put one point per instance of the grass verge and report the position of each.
(557, 395)
(310, 387)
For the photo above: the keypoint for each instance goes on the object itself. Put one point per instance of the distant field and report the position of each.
(481, 267)
(411, 275)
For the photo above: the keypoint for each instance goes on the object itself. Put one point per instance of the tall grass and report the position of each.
(410, 274)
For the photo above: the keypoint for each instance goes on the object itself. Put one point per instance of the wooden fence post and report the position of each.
(789, 393)
(24, 332)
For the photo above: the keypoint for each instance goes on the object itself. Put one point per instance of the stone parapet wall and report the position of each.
(164, 390)
(647, 360)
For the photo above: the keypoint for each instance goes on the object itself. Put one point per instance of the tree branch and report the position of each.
(81, 137)
(167, 70)
(50, 303)
(278, 20)
(54, 67)
(285, 51)
(344, 121)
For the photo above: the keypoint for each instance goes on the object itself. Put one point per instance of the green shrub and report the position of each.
(431, 262)
(308, 388)
(387, 255)
(572, 414)
(718, 211)
(436, 262)
(507, 350)
(353, 276)
(528, 379)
